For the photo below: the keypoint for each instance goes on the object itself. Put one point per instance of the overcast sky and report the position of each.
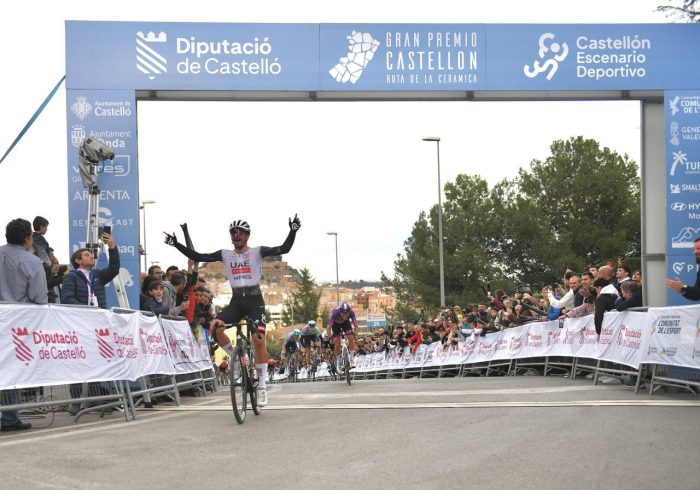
(359, 169)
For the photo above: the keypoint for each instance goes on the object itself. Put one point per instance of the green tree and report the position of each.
(470, 234)
(304, 300)
(579, 206)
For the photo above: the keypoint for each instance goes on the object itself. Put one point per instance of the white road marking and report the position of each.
(505, 391)
(489, 404)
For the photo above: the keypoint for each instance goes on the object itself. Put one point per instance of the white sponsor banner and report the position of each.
(185, 350)
(626, 330)
(152, 356)
(625, 339)
(42, 346)
(672, 336)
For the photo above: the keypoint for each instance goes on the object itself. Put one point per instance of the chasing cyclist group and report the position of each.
(325, 344)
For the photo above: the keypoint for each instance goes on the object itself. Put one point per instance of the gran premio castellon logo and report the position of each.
(148, 60)
(361, 49)
(557, 53)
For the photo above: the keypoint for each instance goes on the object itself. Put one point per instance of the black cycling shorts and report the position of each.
(291, 347)
(345, 327)
(308, 340)
(251, 307)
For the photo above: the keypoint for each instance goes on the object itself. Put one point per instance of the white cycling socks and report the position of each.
(262, 375)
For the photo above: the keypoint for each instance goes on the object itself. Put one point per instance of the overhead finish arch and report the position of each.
(112, 65)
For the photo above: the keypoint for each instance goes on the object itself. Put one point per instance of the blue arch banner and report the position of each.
(398, 57)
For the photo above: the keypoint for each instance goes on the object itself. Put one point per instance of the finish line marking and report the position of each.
(392, 406)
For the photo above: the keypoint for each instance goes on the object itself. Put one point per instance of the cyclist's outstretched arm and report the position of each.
(294, 225)
(191, 253)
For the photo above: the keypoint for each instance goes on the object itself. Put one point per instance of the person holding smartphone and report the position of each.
(85, 285)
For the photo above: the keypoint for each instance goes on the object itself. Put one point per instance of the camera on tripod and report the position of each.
(91, 152)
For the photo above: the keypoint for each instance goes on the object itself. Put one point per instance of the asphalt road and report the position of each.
(509, 432)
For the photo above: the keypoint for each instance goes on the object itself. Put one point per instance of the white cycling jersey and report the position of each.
(243, 270)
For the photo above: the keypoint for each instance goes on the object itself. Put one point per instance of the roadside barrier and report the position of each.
(661, 345)
(90, 359)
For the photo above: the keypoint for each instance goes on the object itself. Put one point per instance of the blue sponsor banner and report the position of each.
(109, 116)
(683, 185)
(591, 57)
(158, 55)
(359, 57)
(402, 57)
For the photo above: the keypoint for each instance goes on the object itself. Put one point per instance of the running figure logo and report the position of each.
(559, 54)
(361, 49)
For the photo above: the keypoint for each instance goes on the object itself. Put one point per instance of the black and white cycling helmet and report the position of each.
(239, 223)
(344, 308)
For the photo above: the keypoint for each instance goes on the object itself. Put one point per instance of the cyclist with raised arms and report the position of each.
(244, 270)
(310, 339)
(342, 320)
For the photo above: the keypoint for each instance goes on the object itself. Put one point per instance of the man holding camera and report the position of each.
(86, 285)
(567, 302)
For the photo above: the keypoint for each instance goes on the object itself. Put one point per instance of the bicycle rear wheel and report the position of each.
(346, 365)
(331, 367)
(239, 383)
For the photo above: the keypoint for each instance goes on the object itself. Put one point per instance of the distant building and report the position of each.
(278, 283)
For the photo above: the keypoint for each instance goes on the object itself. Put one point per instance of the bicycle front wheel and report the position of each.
(293, 369)
(346, 365)
(238, 385)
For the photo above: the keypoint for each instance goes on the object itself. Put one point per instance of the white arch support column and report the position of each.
(653, 203)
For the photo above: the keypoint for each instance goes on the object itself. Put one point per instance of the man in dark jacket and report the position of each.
(689, 292)
(86, 285)
(606, 297)
(631, 296)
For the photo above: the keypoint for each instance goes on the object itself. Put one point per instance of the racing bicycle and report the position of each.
(312, 367)
(344, 360)
(243, 376)
(292, 367)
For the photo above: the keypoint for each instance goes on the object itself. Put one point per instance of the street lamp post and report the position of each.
(337, 283)
(442, 264)
(145, 248)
